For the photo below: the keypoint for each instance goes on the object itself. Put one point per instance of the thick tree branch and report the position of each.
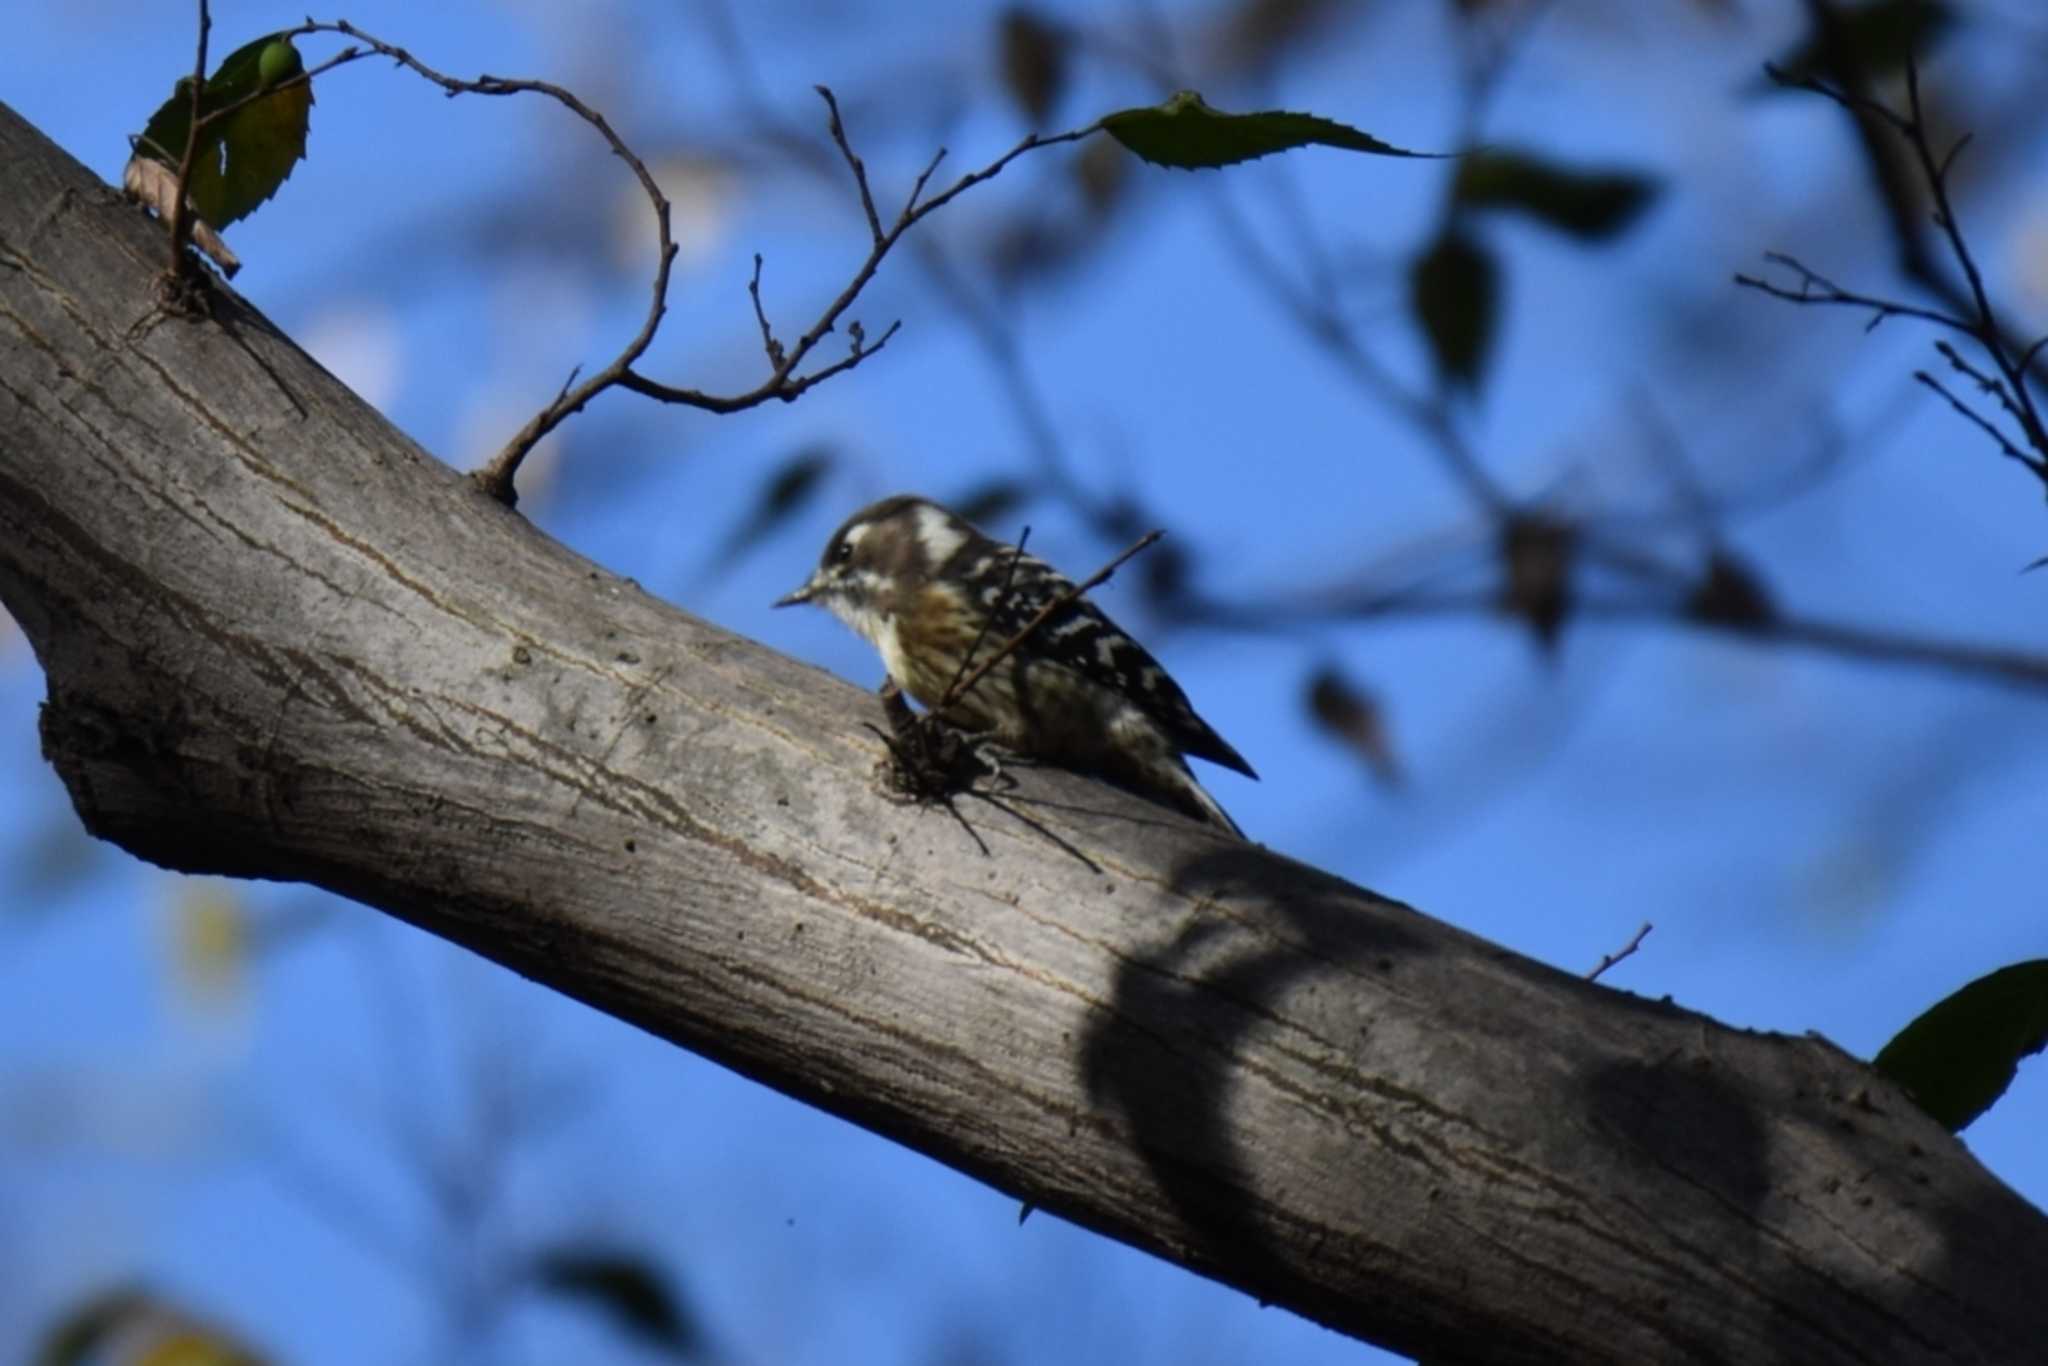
(281, 641)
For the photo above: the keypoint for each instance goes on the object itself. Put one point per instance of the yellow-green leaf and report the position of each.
(244, 157)
(1186, 133)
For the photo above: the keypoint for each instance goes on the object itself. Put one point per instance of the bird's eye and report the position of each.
(844, 552)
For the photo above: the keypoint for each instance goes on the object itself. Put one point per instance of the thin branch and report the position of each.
(773, 348)
(2013, 360)
(171, 197)
(181, 208)
(987, 325)
(2013, 668)
(783, 382)
(1985, 425)
(1099, 577)
(1985, 383)
(955, 689)
(1936, 175)
(496, 475)
(837, 128)
(1609, 960)
(1298, 611)
(1816, 288)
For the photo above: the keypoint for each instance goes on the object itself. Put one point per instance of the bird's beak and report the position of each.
(801, 595)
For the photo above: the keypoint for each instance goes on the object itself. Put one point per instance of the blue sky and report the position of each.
(1822, 844)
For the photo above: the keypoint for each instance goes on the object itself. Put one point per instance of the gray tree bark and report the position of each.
(281, 641)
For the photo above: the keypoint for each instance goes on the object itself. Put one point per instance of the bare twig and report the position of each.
(1986, 384)
(1985, 425)
(837, 128)
(1969, 308)
(773, 348)
(1609, 960)
(954, 691)
(783, 382)
(961, 686)
(181, 208)
(990, 326)
(497, 474)
(1815, 288)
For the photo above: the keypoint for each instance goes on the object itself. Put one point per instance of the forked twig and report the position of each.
(497, 475)
(1970, 311)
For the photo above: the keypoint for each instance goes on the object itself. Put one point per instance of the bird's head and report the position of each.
(879, 558)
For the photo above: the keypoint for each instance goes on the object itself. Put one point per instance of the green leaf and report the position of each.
(1185, 132)
(1962, 1052)
(243, 158)
(1454, 292)
(1587, 204)
(628, 1289)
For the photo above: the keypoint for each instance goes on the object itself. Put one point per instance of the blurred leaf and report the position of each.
(243, 158)
(1186, 133)
(1871, 40)
(1260, 32)
(1163, 573)
(1454, 292)
(130, 1327)
(990, 502)
(1587, 204)
(75, 1337)
(1034, 60)
(1536, 570)
(628, 1289)
(1730, 595)
(213, 939)
(1353, 717)
(1101, 172)
(788, 490)
(1122, 519)
(1036, 244)
(1963, 1051)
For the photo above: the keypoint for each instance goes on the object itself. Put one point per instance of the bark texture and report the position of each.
(283, 642)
